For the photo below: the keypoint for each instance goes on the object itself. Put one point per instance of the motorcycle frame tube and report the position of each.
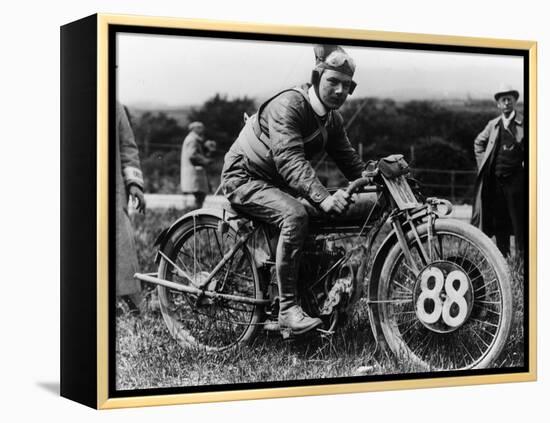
(197, 291)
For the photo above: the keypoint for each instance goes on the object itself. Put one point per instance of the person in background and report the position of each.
(129, 185)
(194, 160)
(499, 200)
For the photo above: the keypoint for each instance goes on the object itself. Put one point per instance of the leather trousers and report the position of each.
(291, 215)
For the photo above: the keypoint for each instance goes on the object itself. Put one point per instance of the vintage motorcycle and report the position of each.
(438, 292)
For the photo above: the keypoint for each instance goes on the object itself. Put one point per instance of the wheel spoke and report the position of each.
(210, 322)
(398, 301)
(182, 263)
(487, 308)
(467, 351)
(401, 286)
(492, 335)
(410, 327)
(473, 338)
(407, 321)
(484, 322)
(483, 286)
(488, 302)
(487, 294)
(481, 339)
(425, 343)
(440, 242)
(220, 249)
(406, 312)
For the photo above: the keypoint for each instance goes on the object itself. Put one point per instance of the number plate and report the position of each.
(443, 297)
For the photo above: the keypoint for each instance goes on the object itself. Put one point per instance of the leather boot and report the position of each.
(289, 249)
(291, 316)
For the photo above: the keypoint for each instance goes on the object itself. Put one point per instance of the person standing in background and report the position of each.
(194, 179)
(129, 185)
(500, 184)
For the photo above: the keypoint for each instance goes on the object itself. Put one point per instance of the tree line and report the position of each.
(432, 134)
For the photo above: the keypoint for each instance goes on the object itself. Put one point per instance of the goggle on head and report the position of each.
(333, 58)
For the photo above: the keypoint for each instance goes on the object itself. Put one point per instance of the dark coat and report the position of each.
(128, 172)
(193, 176)
(484, 146)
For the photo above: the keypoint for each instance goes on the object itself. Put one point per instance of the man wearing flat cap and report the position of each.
(194, 179)
(500, 190)
(268, 175)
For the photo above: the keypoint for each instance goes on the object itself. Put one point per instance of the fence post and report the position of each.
(453, 185)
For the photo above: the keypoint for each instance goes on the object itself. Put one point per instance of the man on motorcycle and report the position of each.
(268, 175)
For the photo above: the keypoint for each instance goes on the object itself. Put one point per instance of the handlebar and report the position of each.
(366, 180)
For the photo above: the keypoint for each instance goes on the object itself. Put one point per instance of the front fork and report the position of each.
(401, 238)
(406, 218)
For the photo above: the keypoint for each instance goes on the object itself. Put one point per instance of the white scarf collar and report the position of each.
(506, 120)
(318, 107)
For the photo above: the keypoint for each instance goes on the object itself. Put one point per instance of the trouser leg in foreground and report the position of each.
(273, 206)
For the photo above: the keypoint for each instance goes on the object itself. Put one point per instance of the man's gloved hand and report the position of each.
(337, 203)
(137, 198)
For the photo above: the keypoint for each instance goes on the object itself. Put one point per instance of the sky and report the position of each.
(155, 70)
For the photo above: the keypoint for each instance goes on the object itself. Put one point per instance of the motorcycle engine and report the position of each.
(332, 276)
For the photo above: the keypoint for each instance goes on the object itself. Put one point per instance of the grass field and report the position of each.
(148, 357)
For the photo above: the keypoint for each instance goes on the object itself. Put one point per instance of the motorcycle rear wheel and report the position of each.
(479, 339)
(211, 324)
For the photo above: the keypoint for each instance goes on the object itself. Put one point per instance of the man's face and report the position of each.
(334, 88)
(506, 104)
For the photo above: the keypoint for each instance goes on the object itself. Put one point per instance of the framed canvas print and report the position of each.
(254, 211)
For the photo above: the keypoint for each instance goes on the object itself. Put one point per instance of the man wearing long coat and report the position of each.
(194, 179)
(499, 189)
(129, 183)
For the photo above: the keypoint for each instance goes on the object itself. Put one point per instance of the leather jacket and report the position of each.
(286, 120)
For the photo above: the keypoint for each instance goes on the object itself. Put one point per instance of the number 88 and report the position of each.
(443, 308)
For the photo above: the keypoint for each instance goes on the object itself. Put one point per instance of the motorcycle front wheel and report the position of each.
(211, 324)
(452, 309)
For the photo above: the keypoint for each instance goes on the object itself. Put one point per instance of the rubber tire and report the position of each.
(490, 251)
(171, 323)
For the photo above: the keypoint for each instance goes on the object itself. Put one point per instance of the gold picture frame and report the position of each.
(86, 312)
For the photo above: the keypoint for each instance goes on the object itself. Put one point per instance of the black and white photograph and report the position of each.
(288, 212)
(292, 213)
